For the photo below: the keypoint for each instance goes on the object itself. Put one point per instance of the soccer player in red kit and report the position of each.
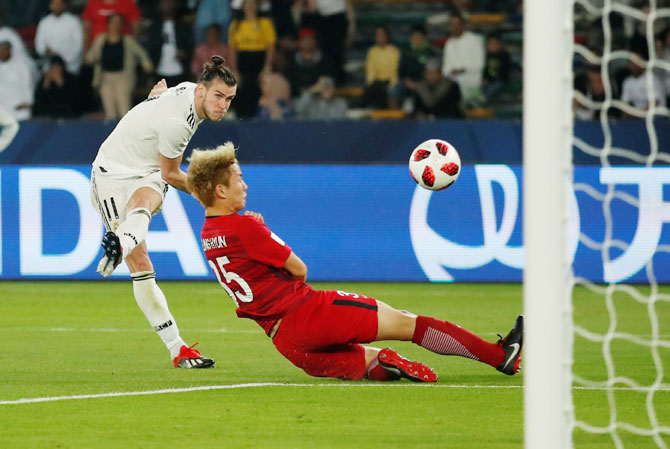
(320, 332)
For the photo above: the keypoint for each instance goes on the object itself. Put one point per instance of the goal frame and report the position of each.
(547, 176)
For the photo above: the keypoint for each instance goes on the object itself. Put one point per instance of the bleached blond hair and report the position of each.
(209, 168)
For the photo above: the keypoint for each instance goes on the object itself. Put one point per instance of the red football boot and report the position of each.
(400, 366)
(191, 358)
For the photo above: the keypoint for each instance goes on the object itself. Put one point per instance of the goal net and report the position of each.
(621, 325)
(597, 363)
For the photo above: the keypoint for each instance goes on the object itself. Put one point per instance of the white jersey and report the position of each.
(159, 125)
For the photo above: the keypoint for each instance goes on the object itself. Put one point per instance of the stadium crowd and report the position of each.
(293, 58)
(303, 59)
(626, 78)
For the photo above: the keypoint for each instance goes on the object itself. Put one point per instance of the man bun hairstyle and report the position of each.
(216, 68)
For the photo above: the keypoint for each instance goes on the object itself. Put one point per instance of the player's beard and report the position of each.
(212, 115)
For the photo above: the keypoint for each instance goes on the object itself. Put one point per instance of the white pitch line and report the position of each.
(279, 384)
(237, 386)
(141, 393)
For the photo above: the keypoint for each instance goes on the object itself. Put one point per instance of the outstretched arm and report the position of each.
(9, 127)
(158, 88)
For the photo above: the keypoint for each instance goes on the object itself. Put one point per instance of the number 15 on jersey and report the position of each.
(231, 282)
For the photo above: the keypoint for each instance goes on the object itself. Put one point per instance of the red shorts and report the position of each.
(322, 336)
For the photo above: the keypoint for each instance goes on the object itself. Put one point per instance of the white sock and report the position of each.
(152, 301)
(133, 231)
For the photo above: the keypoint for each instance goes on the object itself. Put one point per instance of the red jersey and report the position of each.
(248, 259)
(96, 12)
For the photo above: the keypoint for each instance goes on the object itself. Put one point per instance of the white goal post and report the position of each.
(547, 173)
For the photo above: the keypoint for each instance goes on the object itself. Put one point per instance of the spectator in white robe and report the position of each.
(463, 60)
(16, 88)
(60, 33)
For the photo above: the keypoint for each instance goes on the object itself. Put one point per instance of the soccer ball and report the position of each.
(435, 164)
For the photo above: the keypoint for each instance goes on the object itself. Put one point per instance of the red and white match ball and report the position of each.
(435, 164)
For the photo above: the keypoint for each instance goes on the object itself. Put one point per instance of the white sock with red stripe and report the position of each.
(152, 302)
(134, 230)
(443, 337)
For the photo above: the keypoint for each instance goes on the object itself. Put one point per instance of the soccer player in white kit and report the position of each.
(130, 178)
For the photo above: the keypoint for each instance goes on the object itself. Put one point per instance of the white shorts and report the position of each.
(110, 196)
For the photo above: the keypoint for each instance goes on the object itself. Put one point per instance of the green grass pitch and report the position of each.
(89, 338)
